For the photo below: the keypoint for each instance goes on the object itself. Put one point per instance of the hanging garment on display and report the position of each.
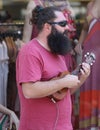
(89, 93)
(3, 73)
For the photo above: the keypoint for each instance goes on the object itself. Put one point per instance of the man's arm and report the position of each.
(45, 88)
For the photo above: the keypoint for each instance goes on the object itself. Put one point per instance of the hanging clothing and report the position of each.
(89, 114)
(11, 83)
(3, 73)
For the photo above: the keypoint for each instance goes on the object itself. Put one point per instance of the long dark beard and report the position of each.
(58, 42)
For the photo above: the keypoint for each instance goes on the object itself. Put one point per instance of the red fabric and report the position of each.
(90, 92)
(35, 63)
(71, 24)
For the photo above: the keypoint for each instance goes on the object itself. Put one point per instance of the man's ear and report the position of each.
(47, 27)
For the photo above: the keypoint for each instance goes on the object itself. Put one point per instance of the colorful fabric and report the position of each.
(38, 64)
(71, 24)
(89, 114)
(4, 121)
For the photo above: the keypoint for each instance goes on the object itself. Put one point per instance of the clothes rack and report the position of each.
(12, 24)
(12, 32)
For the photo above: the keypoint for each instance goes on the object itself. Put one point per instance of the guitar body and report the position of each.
(59, 95)
(62, 93)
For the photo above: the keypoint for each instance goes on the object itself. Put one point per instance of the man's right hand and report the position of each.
(71, 81)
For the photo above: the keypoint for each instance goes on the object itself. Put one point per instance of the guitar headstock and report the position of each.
(90, 58)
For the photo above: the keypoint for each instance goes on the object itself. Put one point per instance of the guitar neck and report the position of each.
(89, 58)
(76, 71)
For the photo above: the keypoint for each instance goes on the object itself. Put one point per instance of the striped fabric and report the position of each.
(4, 121)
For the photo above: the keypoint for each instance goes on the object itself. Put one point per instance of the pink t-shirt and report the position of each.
(35, 63)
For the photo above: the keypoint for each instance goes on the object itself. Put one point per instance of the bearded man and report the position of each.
(38, 62)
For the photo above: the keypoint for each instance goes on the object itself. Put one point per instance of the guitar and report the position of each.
(90, 59)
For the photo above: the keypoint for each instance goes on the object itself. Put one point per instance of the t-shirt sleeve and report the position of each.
(29, 69)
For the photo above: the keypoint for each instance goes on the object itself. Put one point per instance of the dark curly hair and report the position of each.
(41, 15)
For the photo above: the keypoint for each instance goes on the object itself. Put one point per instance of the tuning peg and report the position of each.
(87, 54)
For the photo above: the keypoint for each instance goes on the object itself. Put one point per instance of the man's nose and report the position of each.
(66, 27)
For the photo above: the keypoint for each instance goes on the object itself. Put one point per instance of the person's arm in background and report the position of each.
(78, 49)
(83, 32)
(92, 12)
(27, 30)
(13, 118)
(84, 29)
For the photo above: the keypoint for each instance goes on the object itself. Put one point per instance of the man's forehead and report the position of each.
(59, 16)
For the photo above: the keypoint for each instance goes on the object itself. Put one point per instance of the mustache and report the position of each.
(59, 43)
(65, 32)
